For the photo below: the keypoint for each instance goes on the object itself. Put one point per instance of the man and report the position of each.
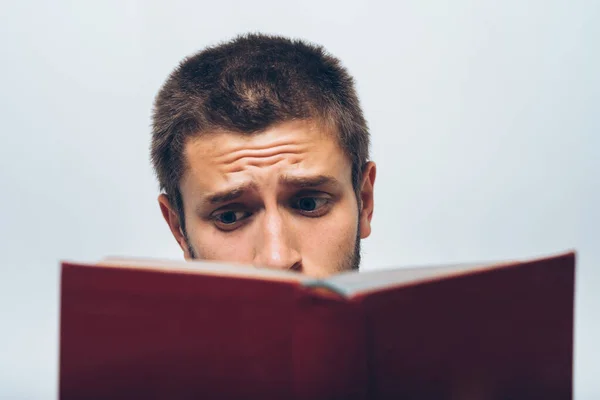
(261, 151)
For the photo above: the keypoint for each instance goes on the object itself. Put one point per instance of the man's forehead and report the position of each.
(294, 149)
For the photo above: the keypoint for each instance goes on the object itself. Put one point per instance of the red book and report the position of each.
(143, 329)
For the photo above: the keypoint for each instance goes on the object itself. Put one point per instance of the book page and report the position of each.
(201, 267)
(346, 283)
(352, 283)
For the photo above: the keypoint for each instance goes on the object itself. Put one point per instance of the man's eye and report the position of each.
(230, 217)
(310, 205)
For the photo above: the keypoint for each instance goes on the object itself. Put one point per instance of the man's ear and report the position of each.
(172, 218)
(367, 199)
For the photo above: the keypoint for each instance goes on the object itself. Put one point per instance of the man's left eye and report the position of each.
(309, 204)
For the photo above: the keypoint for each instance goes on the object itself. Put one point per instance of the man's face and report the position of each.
(281, 199)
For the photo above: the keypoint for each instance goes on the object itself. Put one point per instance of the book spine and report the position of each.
(328, 347)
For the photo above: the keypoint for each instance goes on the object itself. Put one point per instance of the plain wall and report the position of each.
(484, 117)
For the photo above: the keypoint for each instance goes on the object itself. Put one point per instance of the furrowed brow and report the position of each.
(229, 194)
(308, 181)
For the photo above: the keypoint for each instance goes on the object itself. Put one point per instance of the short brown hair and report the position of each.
(247, 85)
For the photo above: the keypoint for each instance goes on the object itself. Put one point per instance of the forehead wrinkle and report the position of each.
(262, 155)
(241, 164)
(229, 156)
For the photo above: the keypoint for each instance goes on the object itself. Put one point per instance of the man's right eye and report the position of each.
(230, 219)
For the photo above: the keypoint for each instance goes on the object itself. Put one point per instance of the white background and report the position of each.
(484, 116)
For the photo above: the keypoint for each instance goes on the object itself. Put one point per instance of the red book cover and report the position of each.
(153, 330)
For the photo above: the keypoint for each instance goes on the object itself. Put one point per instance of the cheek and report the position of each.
(331, 238)
(211, 244)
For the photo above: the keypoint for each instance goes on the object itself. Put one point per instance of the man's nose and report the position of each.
(275, 245)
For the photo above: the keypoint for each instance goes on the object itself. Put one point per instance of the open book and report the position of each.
(138, 328)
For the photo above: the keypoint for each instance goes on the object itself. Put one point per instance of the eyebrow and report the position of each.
(297, 181)
(230, 194)
(308, 181)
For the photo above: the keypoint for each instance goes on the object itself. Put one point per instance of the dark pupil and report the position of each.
(307, 204)
(228, 217)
